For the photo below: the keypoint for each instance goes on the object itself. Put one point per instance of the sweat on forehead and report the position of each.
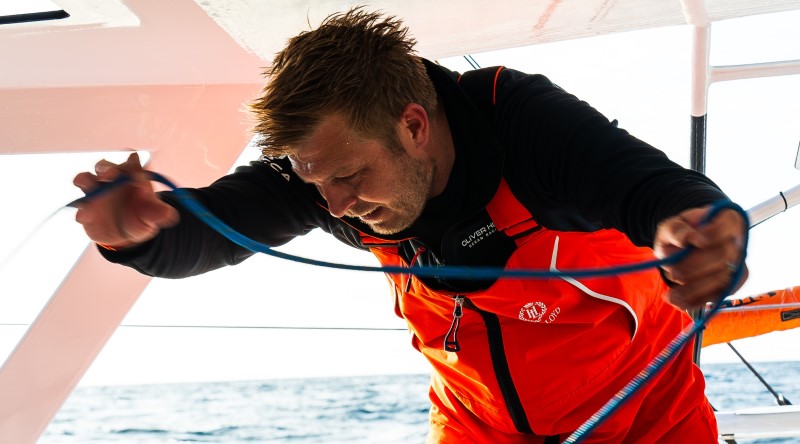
(321, 163)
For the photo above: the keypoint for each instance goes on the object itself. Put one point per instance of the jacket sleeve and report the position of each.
(581, 172)
(264, 201)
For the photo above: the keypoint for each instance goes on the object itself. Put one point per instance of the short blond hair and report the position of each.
(359, 64)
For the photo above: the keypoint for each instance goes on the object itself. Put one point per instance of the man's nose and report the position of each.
(340, 198)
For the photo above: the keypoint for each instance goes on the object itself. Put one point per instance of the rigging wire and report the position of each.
(472, 62)
(276, 327)
(14, 252)
(759, 307)
(779, 398)
(237, 327)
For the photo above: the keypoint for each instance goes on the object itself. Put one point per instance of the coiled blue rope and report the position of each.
(465, 272)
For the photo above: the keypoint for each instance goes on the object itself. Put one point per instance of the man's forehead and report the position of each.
(317, 165)
(329, 137)
(306, 163)
(303, 157)
(331, 149)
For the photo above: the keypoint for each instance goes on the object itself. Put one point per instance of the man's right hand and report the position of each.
(126, 216)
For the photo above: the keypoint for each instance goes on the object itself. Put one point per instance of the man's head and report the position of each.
(359, 65)
(353, 108)
(385, 187)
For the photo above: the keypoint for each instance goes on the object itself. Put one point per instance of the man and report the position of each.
(392, 153)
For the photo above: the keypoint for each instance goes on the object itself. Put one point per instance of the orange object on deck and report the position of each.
(731, 325)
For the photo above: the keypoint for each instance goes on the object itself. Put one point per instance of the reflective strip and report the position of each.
(592, 293)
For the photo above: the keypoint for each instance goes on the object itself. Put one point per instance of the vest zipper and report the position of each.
(458, 311)
(496, 348)
(499, 362)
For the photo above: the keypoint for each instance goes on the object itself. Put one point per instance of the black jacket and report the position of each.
(571, 167)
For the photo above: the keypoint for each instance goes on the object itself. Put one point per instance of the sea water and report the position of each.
(366, 410)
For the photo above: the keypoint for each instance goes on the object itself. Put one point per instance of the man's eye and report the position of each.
(348, 177)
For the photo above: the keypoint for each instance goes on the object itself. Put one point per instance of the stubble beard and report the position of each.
(411, 196)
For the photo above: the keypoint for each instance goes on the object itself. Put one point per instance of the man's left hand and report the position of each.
(707, 270)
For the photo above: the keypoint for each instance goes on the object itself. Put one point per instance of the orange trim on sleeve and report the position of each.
(494, 87)
(114, 248)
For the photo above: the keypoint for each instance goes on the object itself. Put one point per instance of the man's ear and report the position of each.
(414, 121)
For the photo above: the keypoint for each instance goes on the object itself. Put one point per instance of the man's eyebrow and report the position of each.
(328, 177)
(345, 171)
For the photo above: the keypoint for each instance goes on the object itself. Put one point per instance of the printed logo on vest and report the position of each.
(532, 312)
(535, 311)
(480, 234)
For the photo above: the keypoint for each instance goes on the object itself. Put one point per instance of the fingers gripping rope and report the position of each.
(463, 272)
(672, 349)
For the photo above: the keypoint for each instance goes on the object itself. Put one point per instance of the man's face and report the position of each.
(385, 187)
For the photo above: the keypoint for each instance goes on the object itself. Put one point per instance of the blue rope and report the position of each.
(672, 349)
(195, 207)
(470, 272)
(201, 212)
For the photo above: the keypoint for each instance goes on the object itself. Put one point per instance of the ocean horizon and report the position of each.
(388, 409)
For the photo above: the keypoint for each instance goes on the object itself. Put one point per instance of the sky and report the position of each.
(640, 78)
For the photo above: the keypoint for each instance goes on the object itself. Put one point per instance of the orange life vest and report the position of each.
(541, 356)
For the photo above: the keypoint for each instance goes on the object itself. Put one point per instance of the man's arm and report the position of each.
(129, 214)
(155, 235)
(578, 168)
(578, 171)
